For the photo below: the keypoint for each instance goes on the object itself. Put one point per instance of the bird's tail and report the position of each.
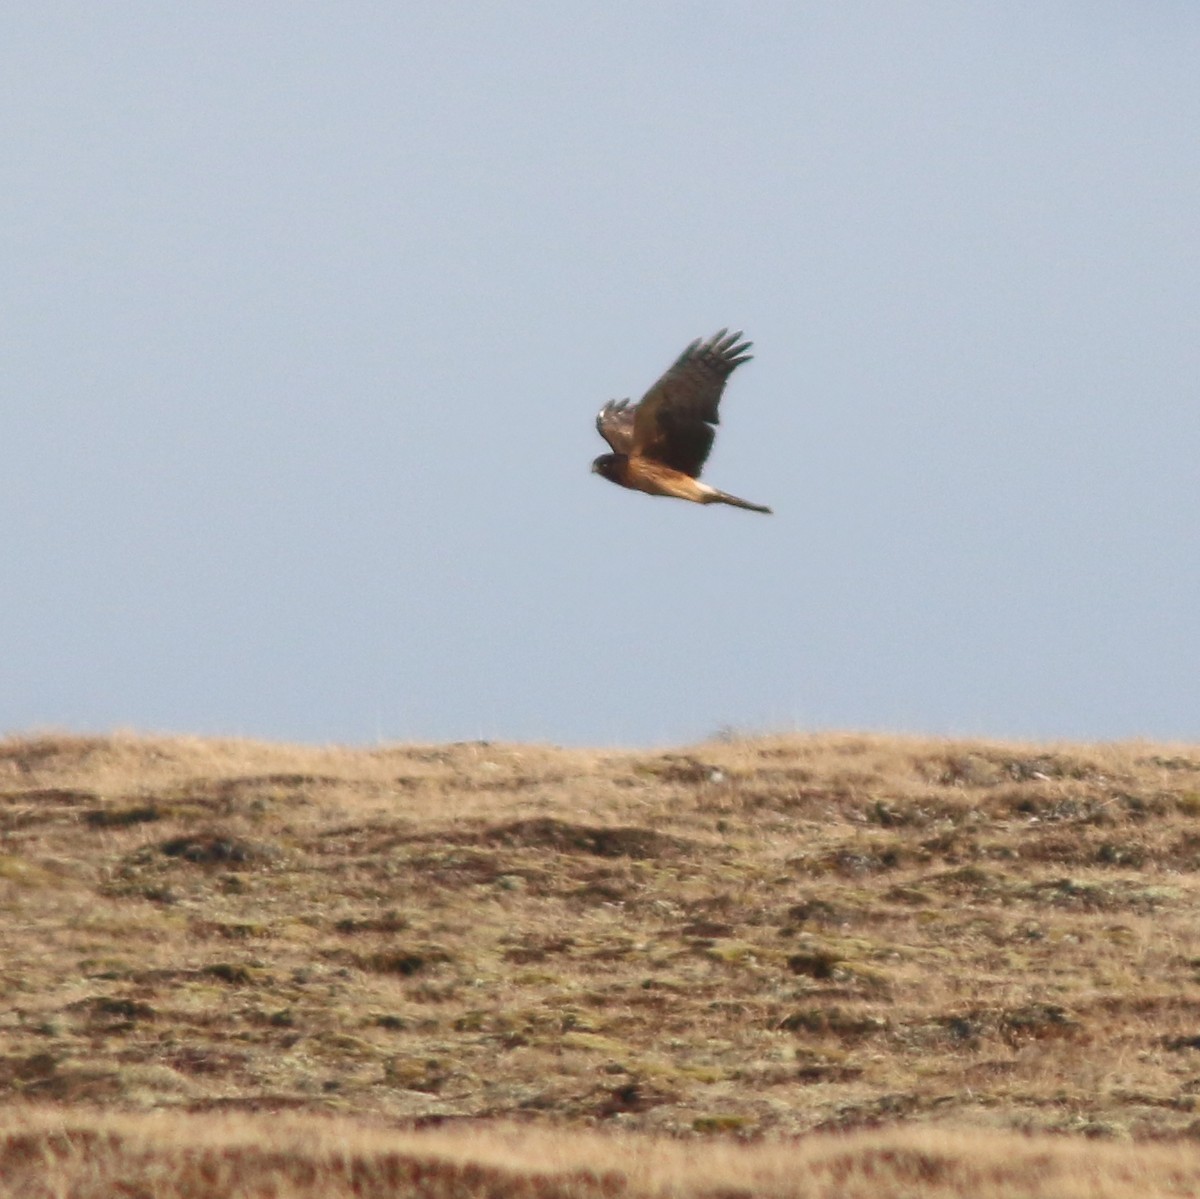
(723, 497)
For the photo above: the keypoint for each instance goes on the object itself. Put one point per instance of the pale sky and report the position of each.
(308, 310)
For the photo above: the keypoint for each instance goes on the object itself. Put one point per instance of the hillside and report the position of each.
(743, 941)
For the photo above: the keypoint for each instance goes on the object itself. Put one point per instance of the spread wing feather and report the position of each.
(673, 423)
(615, 424)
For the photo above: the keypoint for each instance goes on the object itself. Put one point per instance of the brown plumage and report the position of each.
(660, 444)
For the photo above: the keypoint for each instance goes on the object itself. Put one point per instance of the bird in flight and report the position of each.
(659, 444)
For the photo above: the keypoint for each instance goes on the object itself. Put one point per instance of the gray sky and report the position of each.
(308, 310)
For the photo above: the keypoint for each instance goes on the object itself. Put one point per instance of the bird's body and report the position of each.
(660, 444)
(643, 474)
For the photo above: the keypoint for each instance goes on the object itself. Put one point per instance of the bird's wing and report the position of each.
(615, 424)
(674, 422)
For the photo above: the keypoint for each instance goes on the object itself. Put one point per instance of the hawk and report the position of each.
(660, 444)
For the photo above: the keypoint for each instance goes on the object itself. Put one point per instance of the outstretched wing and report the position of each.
(674, 422)
(615, 424)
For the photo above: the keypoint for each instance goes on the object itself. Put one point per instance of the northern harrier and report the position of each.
(660, 444)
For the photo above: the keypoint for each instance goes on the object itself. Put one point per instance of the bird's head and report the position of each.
(607, 465)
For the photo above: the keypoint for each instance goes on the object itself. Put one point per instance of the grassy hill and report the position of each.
(933, 945)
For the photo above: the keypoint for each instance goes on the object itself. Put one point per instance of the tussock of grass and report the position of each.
(749, 939)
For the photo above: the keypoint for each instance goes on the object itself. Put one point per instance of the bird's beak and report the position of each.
(595, 469)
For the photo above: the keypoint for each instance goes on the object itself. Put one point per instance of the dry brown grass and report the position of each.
(47, 1155)
(745, 941)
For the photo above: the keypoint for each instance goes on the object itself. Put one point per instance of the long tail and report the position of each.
(723, 497)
